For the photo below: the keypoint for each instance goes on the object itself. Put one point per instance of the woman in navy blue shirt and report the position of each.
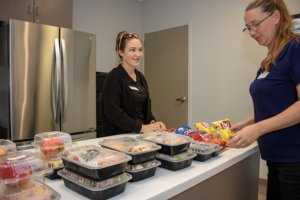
(275, 92)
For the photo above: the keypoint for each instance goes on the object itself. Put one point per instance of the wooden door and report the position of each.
(166, 71)
(17, 9)
(54, 12)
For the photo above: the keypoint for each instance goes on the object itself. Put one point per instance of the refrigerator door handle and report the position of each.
(55, 81)
(65, 80)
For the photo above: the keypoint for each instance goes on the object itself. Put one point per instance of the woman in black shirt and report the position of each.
(126, 105)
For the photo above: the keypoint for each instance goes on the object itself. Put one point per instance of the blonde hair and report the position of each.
(284, 31)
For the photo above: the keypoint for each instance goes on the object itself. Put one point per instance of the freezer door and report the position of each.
(78, 81)
(31, 64)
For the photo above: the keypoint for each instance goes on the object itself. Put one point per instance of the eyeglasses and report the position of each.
(127, 36)
(255, 26)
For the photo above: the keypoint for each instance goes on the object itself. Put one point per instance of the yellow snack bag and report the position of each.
(204, 126)
(223, 129)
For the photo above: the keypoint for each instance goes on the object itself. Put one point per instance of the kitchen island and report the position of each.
(233, 175)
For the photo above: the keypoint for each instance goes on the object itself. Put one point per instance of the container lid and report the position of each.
(204, 147)
(164, 138)
(17, 167)
(7, 146)
(94, 185)
(130, 145)
(51, 143)
(35, 190)
(94, 157)
(142, 166)
(178, 157)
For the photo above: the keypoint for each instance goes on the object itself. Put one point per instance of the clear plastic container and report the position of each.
(18, 168)
(7, 146)
(170, 143)
(176, 162)
(95, 162)
(52, 143)
(205, 150)
(34, 190)
(143, 170)
(91, 189)
(139, 150)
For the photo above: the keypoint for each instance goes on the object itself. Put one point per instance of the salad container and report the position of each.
(170, 143)
(176, 162)
(139, 150)
(143, 170)
(95, 162)
(91, 189)
(205, 150)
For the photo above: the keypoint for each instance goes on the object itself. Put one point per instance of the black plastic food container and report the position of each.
(143, 170)
(114, 161)
(176, 162)
(94, 190)
(170, 143)
(140, 150)
(205, 150)
(54, 175)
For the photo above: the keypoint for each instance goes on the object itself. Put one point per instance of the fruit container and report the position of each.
(91, 189)
(7, 146)
(170, 143)
(205, 150)
(18, 168)
(139, 150)
(34, 190)
(52, 143)
(143, 170)
(176, 162)
(95, 162)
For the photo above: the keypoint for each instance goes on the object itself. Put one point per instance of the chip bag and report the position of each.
(206, 127)
(223, 129)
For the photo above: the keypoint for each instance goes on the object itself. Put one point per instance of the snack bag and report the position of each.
(204, 126)
(223, 129)
(183, 130)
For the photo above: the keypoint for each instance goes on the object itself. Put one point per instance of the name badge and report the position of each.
(134, 88)
(263, 75)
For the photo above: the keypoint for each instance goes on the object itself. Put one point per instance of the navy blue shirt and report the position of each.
(272, 93)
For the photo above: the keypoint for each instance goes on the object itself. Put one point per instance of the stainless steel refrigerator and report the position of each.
(47, 81)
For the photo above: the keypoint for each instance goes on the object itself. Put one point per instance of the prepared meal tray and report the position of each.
(170, 143)
(139, 150)
(7, 146)
(143, 170)
(95, 189)
(205, 150)
(55, 165)
(18, 168)
(95, 162)
(35, 190)
(176, 162)
(52, 143)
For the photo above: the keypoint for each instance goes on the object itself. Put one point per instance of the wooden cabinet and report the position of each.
(51, 12)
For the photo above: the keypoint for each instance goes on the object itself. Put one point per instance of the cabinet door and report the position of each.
(17, 9)
(54, 12)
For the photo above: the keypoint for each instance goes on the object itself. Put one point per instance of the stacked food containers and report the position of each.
(51, 144)
(174, 154)
(143, 164)
(22, 177)
(94, 172)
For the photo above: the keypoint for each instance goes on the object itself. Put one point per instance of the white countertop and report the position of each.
(165, 183)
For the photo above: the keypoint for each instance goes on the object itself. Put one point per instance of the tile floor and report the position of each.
(262, 189)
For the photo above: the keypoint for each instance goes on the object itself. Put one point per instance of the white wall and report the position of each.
(222, 60)
(106, 18)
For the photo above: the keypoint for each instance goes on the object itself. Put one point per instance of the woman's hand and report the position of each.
(155, 126)
(245, 136)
